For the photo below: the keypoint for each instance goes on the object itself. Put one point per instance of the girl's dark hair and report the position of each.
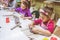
(29, 3)
(36, 14)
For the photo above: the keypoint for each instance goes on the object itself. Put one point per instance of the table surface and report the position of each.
(7, 34)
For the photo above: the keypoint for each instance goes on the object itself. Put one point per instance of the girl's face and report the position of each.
(44, 17)
(23, 6)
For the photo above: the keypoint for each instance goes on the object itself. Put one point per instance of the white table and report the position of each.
(6, 33)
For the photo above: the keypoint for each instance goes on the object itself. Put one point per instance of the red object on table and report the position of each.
(53, 38)
(7, 20)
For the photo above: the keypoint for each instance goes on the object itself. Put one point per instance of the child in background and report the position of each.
(45, 21)
(4, 2)
(24, 10)
(12, 3)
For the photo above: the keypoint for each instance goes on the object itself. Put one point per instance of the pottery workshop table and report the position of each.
(22, 33)
(5, 31)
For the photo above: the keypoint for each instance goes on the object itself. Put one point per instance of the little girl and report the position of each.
(46, 27)
(23, 9)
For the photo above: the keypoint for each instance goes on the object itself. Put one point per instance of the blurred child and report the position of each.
(24, 10)
(12, 3)
(46, 23)
(4, 2)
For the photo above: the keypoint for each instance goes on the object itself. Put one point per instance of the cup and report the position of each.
(7, 20)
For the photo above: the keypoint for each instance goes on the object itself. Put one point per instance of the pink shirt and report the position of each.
(48, 26)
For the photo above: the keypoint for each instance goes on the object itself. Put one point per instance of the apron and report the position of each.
(44, 26)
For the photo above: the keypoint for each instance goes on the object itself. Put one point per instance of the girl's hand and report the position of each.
(30, 26)
(12, 10)
(22, 16)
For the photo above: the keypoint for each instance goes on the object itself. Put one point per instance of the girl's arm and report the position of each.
(27, 18)
(41, 32)
(35, 22)
(45, 32)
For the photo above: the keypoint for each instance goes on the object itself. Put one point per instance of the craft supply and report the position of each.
(7, 20)
(45, 39)
(53, 38)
